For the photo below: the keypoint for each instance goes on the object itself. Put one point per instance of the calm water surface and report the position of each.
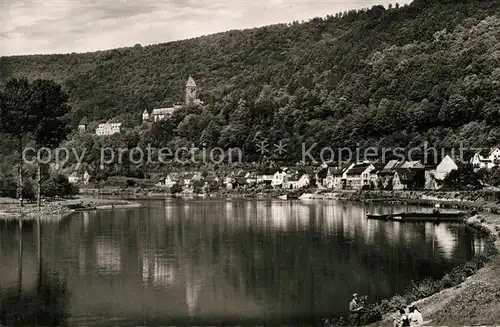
(217, 262)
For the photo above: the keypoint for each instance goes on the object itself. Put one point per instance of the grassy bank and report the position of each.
(468, 294)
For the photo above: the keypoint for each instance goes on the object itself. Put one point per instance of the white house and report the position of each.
(229, 182)
(74, 178)
(360, 175)
(444, 167)
(145, 115)
(187, 180)
(162, 113)
(86, 177)
(296, 181)
(265, 179)
(278, 179)
(108, 128)
(412, 165)
(486, 158)
(251, 178)
(333, 178)
(171, 180)
(82, 126)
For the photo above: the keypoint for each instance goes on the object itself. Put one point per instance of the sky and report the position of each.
(65, 26)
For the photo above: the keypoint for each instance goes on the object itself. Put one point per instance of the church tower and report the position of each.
(190, 91)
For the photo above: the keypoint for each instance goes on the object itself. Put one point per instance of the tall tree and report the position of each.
(34, 111)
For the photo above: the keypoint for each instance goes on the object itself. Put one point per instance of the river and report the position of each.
(237, 262)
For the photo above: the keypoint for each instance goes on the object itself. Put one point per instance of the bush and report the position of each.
(58, 185)
(8, 186)
(176, 188)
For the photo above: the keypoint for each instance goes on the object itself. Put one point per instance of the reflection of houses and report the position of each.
(445, 240)
(160, 270)
(108, 257)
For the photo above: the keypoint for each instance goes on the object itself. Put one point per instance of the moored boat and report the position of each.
(435, 216)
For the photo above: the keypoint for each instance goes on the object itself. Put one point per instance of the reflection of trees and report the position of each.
(302, 271)
(291, 258)
(46, 306)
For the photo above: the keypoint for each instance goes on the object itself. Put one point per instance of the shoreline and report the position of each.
(61, 209)
(439, 307)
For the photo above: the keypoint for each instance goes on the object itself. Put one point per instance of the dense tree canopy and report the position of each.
(401, 76)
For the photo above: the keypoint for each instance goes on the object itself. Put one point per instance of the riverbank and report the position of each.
(59, 209)
(468, 295)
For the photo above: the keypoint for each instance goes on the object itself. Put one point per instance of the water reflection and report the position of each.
(211, 261)
(108, 256)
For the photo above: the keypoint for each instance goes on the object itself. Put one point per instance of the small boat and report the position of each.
(435, 216)
(306, 196)
(283, 197)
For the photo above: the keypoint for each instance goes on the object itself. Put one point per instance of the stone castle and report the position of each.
(190, 99)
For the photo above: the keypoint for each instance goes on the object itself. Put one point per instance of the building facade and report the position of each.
(107, 129)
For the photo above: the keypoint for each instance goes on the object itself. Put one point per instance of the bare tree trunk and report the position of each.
(20, 181)
(38, 186)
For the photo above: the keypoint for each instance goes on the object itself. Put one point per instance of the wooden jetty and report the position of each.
(436, 216)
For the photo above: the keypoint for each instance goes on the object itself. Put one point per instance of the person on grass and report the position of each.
(354, 310)
(415, 316)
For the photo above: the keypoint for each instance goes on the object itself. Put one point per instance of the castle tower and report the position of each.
(190, 91)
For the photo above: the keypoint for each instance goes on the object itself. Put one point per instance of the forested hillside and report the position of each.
(429, 71)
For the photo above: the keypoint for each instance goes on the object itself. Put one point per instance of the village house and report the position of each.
(412, 165)
(333, 179)
(445, 167)
(251, 179)
(187, 180)
(408, 179)
(359, 176)
(82, 126)
(266, 176)
(211, 179)
(74, 178)
(86, 177)
(145, 115)
(386, 174)
(171, 180)
(278, 179)
(107, 129)
(486, 158)
(296, 181)
(229, 182)
(436, 170)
